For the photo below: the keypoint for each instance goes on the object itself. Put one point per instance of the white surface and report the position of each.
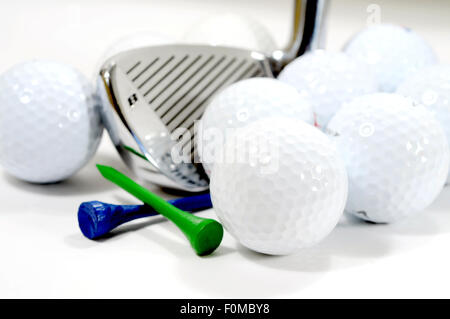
(44, 255)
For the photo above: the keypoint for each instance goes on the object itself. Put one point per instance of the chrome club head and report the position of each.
(152, 97)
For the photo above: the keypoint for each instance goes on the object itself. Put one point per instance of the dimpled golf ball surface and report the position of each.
(285, 199)
(396, 155)
(431, 88)
(245, 102)
(49, 125)
(393, 53)
(232, 30)
(328, 79)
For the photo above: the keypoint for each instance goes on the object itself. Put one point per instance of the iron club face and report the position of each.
(152, 97)
(155, 95)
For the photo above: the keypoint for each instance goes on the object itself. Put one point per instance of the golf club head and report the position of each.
(153, 97)
(156, 94)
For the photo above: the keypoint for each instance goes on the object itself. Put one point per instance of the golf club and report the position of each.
(152, 97)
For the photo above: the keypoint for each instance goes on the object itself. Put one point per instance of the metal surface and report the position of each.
(152, 97)
(307, 32)
(154, 92)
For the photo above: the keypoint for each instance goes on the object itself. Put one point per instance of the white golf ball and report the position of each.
(328, 79)
(49, 121)
(393, 53)
(431, 88)
(396, 154)
(232, 30)
(242, 103)
(283, 188)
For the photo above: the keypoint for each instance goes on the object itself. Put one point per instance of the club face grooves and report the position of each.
(134, 67)
(160, 89)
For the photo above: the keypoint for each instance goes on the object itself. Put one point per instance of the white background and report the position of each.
(43, 254)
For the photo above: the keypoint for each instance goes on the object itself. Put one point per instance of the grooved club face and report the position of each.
(152, 98)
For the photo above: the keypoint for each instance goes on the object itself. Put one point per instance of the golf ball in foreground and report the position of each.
(396, 154)
(393, 52)
(232, 30)
(328, 79)
(242, 103)
(49, 122)
(285, 189)
(431, 88)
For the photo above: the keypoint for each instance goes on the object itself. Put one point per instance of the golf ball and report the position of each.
(282, 188)
(393, 53)
(431, 88)
(328, 79)
(232, 30)
(49, 121)
(396, 154)
(242, 103)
